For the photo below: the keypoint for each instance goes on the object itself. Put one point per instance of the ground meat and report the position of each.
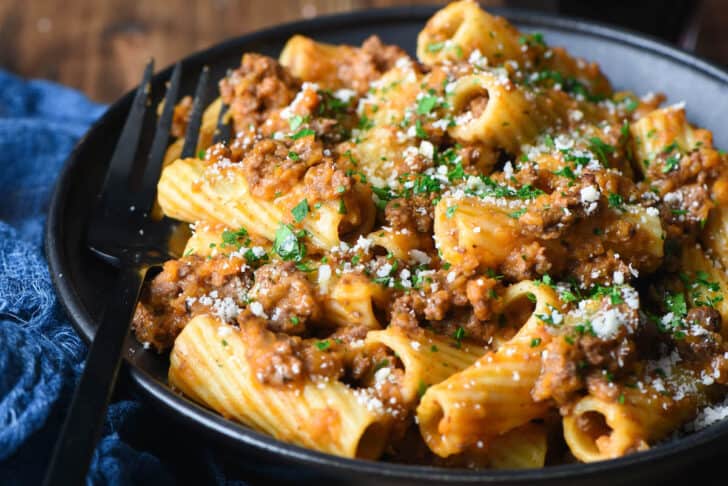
(560, 377)
(413, 213)
(576, 354)
(328, 130)
(279, 359)
(181, 116)
(404, 312)
(384, 56)
(364, 364)
(437, 305)
(259, 86)
(273, 167)
(324, 182)
(185, 288)
(461, 321)
(685, 209)
(526, 262)
(699, 166)
(705, 317)
(601, 386)
(287, 296)
(222, 152)
(600, 269)
(476, 158)
(483, 297)
(702, 340)
(367, 64)
(411, 164)
(553, 215)
(447, 310)
(612, 354)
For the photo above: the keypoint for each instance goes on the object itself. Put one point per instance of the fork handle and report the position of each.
(82, 427)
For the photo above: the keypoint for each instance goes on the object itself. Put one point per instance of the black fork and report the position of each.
(122, 232)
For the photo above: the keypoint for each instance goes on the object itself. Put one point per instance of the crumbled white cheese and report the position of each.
(589, 194)
(344, 94)
(607, 322)
(257, 309)
(710, 415)
(384, 270)
(427, 149)
(324, 275)
(420, 256)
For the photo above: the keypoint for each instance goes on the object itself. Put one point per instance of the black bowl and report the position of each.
(631, 61)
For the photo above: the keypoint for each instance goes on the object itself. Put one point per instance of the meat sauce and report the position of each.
(574, 238)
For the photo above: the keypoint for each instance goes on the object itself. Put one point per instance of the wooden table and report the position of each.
(100, 46)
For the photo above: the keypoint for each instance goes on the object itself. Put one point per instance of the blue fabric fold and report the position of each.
(41, 356)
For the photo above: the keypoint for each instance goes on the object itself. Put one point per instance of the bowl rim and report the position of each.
(236, 435)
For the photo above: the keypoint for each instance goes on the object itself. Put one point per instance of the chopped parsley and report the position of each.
(450, 211)
(491, 188)
(459, 335)
(699, 288)
(671, 147)
(201, 154)
(456, 173)
(517, 214)
(305, 132)
(671, 163)
(300, 210)
(435, 46)
(566, 172)
(295, 122)
(631, 105)
(422, 388)
(421, 133)
(365, 123)
(535, 39)
(615, 200)
(549, 142)
(323, 345)
(232, 238)
(545, 280)
(287, 244)
(294, 156)
(569, 84)
(567, 296)
(535, 342)
(382, 364)
(601, 149)
(427, 103)
(614, 293)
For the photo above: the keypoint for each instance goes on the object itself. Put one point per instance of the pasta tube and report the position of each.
(208, 364)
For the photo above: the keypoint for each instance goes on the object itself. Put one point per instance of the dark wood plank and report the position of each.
(101, 47)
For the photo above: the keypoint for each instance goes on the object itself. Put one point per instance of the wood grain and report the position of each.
(100, 47)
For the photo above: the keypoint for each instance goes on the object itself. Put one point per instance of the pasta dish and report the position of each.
(483, 257)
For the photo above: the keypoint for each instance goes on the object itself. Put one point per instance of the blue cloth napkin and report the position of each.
(41, 356)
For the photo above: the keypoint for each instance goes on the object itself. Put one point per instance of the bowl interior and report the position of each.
(83, 282)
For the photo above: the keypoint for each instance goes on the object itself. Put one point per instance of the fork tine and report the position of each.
(145, 197)
(117, 176)
(193, 127)
(223, 131)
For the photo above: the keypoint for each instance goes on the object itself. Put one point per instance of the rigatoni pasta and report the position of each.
(482, 257)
